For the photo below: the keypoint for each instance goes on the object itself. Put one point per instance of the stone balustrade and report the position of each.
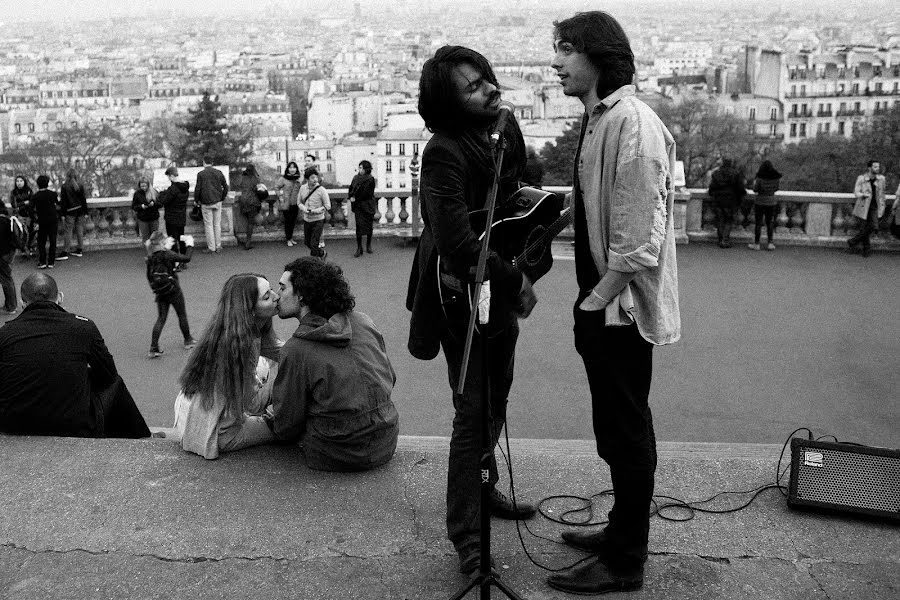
(803, 218)
(112, 223)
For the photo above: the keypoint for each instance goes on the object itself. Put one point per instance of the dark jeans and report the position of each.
(868, 226)
(463, 474)
(724, 220)
(6, 281)
(117, 416)
(47, 233)
(290, 221)
(176, 231)
(766, 213)
(619, 366)
(312, 233)
(175, 300)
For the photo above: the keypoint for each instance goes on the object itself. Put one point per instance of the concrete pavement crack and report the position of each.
(184, 559)
(417, 529)
(807, 565)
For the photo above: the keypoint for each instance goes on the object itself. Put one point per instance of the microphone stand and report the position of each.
(486, 576)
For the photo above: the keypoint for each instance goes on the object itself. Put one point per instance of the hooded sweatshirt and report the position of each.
(333, 393)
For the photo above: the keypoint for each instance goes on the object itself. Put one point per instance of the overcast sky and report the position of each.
(92, 9)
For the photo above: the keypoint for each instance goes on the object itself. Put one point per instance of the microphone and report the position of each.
(506, 109)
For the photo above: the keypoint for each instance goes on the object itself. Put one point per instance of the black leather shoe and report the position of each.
(596, 578)
(358, 253)
(503, 508)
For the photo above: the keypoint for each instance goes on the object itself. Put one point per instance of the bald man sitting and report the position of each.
(57, 376)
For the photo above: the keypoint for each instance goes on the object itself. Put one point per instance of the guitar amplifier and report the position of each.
(845, 477)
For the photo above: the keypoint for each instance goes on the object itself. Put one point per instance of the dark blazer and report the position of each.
(50, 360)
(175, 199)
(450, 188)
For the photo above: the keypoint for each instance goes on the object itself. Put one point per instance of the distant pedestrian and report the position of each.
(45, 204)
(869, 186)
(288, 188)
(310, 163)
(765, 185)
(21, 204)
(7, 253)
(165, 286)
(362, 198)
(211, 191)
(174, 200)
(73, 200)
(727, 189)
(248, 205)
(895, 220)
(314, 203)
(145, 207)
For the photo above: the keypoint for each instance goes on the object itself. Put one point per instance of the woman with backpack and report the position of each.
(163, 279)
(248, 204)
(145, 208)
(764, 205)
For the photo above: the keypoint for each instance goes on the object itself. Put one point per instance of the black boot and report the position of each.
(596, 578)
(358, 248)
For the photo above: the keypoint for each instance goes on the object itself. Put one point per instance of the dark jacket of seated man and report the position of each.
(56, 375)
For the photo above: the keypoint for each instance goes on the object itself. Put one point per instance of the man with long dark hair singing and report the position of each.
(460, 101)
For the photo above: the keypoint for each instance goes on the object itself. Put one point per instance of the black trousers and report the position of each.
(867, 227)
(176, 231)
(619, 366)
(463, 474)
(290, 221)
(761, 214)
(312, 234)
(47, 234)
(163, 303)
(724, 220)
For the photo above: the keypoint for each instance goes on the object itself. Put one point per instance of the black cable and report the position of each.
(661, 510)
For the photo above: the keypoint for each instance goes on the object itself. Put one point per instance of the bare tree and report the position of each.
(705, 133)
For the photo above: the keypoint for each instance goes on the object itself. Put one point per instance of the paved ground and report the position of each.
(114, 519)
(772, 341)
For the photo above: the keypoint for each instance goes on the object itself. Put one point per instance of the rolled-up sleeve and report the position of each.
(638, 214)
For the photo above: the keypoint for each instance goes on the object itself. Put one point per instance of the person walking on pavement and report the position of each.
(210, 193)
(362, 199)
(288, 188)
(726, 188)
(166, 287)
(765, 185)
(73, 200)
(627, 277)
(869, 207)
(45, 204)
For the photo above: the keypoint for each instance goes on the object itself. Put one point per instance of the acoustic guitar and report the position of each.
(522, 232)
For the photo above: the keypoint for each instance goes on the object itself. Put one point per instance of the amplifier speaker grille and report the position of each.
(845, 477)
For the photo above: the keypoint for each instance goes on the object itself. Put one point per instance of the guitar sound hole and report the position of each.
(535, 248)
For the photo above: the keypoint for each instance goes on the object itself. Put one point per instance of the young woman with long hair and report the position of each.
(20, 203)
(145, 207)
(226, 384)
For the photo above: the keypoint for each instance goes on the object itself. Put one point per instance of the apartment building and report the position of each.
(827, 93)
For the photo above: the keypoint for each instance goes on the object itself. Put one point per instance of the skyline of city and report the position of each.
(76, 10)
